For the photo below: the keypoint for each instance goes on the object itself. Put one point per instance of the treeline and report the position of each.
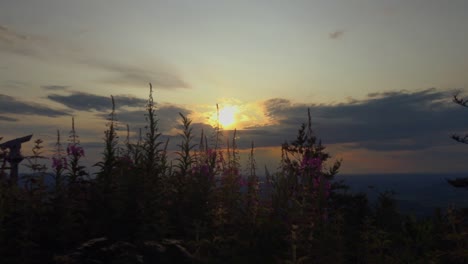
(206, 207)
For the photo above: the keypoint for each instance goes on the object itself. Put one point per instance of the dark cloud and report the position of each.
(160, 76)
(9, 119)
(383, 121)
(400, 144)
(55, 87)
(11, 105)
(284, 112)
(167, 115)
(336, 34)
(87, 102)
(168, 119)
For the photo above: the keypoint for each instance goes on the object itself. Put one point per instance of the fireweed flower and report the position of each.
(59, 163)
(75, 150)
(203, 169)
(311, 163)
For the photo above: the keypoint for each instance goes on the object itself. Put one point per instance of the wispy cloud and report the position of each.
(46, 49)
(11, 105)
(161, 76)
(17, 43)
(55, 87)
(336, 34)
(14, 84)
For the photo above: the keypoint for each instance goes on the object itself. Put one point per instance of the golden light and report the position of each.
(233, 115)
(227, 116)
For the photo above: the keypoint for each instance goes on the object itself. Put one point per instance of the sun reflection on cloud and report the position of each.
(232, 114)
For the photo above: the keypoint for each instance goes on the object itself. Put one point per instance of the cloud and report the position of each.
(55, 87)
(336, 34)
(40, 47)
(14, 84)
(169, 124)
(8, 119)
(11, 105)
(398, 144)
(87, 102)
(167, 116)
(383, 121)
(46, 49)
(160, 76)
(20, 44)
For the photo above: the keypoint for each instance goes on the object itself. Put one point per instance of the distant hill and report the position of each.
(418, 194)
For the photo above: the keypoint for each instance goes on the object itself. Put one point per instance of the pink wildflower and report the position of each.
(203, 169)
(75, 150)
(311, 163)
(59, 163)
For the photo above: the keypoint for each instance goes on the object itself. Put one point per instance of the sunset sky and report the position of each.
(378, 76)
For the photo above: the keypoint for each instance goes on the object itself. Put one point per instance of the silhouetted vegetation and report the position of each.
(205, 206)
(460, 182)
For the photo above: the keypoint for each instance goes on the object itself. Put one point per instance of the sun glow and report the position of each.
(233, 115)
(227, 116)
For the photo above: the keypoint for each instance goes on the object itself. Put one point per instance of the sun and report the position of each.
(227, 116)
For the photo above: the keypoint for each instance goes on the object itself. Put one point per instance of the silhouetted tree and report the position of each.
(460, 182)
